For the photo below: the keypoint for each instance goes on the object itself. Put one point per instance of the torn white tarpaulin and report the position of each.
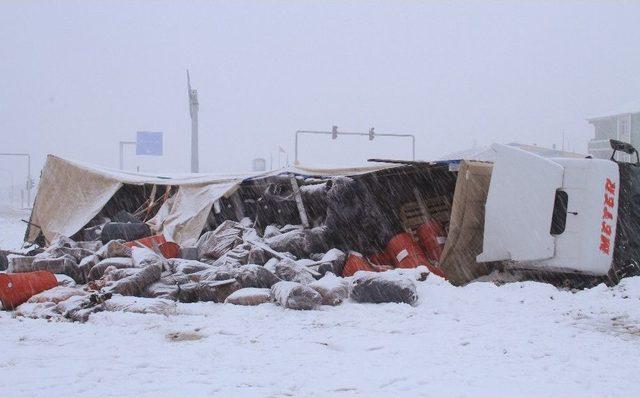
(70, 194)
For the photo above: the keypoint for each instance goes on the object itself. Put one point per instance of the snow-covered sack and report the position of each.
(135, 285)
(249, 296)
(91, 245)
(383, 287)
(76, 252)
(270, 231)
(44, 310)
(151, 271)
(114, 248)
(63, 241)
(143, 257)
(141, 305)
(214, 244)
(239, 255)
(291, 227)
(215, 291)
(161, 289)
(252, 275)
(334, 290)
(78, 308)
(179, 279)
(179, 265)
(296, 296)
(115, 274)
(257, 256)
(315, 240)
(63, 265)
(97, 271)
(288, 270)
(332, 261)
(292, 241)
(87, 263)
(17, 263)
(57, 294)
(420, 273)
(65, 280)
(271, 264)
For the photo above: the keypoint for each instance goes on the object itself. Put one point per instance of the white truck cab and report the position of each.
(551, 214)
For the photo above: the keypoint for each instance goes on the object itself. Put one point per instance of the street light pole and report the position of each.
(371, 134)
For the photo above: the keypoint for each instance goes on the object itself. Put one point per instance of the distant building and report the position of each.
(623, 126)
(259, 164)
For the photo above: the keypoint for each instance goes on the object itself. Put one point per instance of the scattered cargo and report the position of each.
(303, 238)
(249, 296)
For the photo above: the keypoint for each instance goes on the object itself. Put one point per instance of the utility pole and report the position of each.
(193, 110)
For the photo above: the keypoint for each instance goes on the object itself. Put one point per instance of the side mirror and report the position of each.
(623, 147)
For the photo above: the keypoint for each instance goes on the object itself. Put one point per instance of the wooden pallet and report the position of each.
(414, 214)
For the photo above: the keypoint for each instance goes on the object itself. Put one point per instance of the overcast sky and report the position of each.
(77, 77)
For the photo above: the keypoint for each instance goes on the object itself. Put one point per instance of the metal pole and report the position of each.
(29, 181)
(121, 161)
(121, 146)
(195, 162)
(193, 111)
(296, 151)
(413, 147)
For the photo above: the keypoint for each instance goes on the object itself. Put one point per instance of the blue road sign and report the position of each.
(149, 143)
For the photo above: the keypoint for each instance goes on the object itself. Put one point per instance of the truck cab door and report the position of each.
(519, 206)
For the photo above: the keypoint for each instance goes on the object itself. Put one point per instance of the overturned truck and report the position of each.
(566, 221)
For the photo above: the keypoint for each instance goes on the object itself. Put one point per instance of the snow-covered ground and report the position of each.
(521, 339)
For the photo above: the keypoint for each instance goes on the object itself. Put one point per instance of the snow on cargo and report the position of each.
(518, 217)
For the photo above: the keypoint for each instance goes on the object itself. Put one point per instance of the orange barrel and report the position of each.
(148, 241)
(381, 268)
(170, 249)
(381, 258)
(16, 289)
(432, 237)
(355, 262)
(406, 252)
